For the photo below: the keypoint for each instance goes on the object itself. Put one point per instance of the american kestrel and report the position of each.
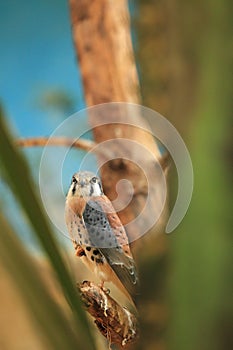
(98, 235)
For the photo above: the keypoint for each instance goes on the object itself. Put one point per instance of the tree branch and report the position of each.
(85, 145)
(115, 322)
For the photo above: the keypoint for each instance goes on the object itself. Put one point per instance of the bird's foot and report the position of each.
(105, 290)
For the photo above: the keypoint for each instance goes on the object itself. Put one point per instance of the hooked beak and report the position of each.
(82, 183)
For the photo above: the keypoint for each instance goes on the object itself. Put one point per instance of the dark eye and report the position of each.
(74, 180)
(94, 179)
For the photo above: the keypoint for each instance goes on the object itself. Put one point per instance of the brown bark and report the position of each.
(103, 45)
(101, 32)
(85, 145)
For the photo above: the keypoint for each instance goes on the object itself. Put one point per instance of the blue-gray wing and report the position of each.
(102, 236)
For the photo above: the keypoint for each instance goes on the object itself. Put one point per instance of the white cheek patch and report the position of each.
(96, 190)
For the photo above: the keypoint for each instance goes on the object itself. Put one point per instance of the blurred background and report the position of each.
(184, 58)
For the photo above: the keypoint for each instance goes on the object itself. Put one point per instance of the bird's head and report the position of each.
(85, 184)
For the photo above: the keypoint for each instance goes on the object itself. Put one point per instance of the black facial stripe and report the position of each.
(92, 190)
(74, 188)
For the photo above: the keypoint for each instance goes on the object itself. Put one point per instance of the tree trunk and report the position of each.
(101, 31)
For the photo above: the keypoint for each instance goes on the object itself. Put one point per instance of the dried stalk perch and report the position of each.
(115, 322)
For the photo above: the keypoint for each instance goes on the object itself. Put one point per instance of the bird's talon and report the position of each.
(107, 291)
